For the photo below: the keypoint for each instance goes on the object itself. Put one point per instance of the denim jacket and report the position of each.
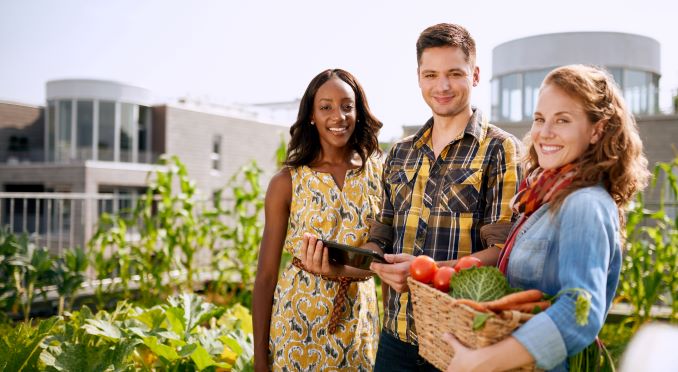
(577, 247)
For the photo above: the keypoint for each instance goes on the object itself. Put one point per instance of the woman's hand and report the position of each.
(464, 359)
(316, 257)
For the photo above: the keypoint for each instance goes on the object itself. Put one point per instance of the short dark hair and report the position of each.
(304, 146)
(447, 35)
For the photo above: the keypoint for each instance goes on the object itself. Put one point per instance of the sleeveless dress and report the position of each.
(303, 302)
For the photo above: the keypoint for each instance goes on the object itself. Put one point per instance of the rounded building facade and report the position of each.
(97, 120)
(519, 66)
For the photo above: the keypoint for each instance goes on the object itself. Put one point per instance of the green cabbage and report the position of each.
(479, 284)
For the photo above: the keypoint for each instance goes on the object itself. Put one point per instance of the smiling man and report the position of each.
(446, 189)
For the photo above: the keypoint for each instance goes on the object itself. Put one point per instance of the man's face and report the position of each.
(446, 79)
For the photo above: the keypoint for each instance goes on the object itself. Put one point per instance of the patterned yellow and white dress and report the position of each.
(303, 302)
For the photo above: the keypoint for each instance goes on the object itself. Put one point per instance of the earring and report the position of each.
(312, 123)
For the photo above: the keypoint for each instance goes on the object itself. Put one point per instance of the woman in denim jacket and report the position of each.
(585, 163)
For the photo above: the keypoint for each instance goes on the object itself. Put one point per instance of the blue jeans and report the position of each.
(395, 355)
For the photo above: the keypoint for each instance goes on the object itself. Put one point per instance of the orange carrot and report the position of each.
(531, 307)
(472, 304)
(530, 295)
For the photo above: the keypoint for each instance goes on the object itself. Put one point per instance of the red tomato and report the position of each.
(466, 262)
(423, 268)
(441, 281)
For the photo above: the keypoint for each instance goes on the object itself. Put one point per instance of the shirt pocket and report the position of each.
(461, 190)
(400, 181)
(526, 263)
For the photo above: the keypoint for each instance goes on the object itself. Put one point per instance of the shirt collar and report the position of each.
(474, 128)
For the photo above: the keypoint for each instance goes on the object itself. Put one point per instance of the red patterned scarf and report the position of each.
(535, 190)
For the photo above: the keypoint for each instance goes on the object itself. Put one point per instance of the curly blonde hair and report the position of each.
(616, 160)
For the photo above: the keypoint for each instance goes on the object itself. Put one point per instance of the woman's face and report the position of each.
(561, 131)
(334, 112)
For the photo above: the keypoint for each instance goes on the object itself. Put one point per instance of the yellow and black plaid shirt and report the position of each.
(437, 207)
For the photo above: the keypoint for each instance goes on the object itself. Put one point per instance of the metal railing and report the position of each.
(58, 220)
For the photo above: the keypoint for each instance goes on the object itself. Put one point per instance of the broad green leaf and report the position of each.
(152, 318)
(243, 314)
(21, 346)
(187, 350)
(161, 350)
(231, 343)
(202, 358)
(175, 317)
(102, 328)
(100, 357)
(169, 335)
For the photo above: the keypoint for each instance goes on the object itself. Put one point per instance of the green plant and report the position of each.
(172, 229)
(594, 357)
(69, 276)
(649, 274)
(8, 248)
(110, 257)
(87, 342)
(236, 245)
(281, 151)
(650, 270)
(33, 271)
(20, 347)
(184, 334)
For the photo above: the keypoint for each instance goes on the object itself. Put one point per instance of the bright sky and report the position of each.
(267, 51)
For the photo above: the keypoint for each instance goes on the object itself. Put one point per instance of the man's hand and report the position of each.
(395, 272)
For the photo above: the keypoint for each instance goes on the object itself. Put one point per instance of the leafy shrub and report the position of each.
(185, 333)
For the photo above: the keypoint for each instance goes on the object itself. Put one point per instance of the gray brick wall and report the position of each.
(189, 135)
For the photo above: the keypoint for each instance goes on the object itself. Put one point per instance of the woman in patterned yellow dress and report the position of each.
(319, 316)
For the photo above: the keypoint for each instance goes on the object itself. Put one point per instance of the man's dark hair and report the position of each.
(447, 35)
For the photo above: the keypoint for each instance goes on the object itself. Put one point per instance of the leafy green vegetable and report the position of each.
(479, 284)
(479, 320)
(20, 347)
(582, 308)
(582, 303)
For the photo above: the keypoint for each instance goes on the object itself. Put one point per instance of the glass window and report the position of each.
(511, 97)
(84, 129)
(531, 83)
(143, 134)
(638, 87)
(129, 114)
(654, 94)
(63, 142)
(216, 152)
(495, 99)
(106, 139)
(617, 74)
(51, 131)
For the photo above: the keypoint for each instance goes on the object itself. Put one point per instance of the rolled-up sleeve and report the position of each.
(381, 229)
(542, 339)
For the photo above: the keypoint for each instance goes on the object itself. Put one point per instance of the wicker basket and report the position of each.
(436, 313)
